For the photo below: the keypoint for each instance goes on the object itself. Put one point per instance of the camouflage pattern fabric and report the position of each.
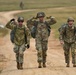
(41, 37)
(68, 35)
(19, 40)
(19, 50)
(67, 47)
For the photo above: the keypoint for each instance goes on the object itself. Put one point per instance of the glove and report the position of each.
(28, 46)
(12, 20)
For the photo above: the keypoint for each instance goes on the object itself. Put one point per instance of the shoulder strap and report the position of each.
(36, 23)
(25, 35)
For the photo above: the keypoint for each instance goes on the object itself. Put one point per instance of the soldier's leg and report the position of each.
(39, 51)
(66, 48)
(16, 50)
(21, 54)
(39, 57)
(73, 54)
(44, 57)
(44, 50)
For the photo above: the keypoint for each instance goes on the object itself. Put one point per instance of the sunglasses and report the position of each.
(20, 21)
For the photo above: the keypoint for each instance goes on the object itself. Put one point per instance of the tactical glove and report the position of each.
(12, 20)
(28, 46)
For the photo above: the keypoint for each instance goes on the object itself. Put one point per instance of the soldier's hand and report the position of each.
(48, 17)
(12, 20)
(28, 46)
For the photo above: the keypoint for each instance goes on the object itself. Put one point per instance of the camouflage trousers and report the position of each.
(41, 55)
(41, 47)
(19, 50)
(69, 47)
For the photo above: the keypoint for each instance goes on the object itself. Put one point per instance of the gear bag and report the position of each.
(34, 28)
(12, 35)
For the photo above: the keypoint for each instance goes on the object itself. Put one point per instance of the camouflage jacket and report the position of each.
(19, 38)
(68, 34)
(41, 31)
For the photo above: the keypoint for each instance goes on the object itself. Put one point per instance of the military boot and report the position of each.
(74, 65)
(67, 65)
(18, 65)
(39, 65)
(21, 66)
(44, 65)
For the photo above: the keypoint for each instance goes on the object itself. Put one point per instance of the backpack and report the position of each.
(34, 28)
(12, 35)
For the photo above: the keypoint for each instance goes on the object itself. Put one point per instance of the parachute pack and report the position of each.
(34, 29)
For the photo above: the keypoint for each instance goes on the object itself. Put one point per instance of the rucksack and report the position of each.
(12, 35)
(34, 29)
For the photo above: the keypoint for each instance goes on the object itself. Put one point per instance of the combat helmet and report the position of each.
(70, 19)
(20, 19)
(40, 14)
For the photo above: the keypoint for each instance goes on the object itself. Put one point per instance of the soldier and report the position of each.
(21, 5)
(41, 35)
(67, 39)
(21, 39)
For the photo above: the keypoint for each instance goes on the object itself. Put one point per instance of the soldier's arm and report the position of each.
(30, 22)
(10, 25)
(61, 35)
(28, 36)
(51, 21)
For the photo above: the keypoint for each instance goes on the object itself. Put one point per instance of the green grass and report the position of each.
(30, 4)
(61, 9)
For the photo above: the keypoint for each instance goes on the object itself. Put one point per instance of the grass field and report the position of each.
(29, 4)
(61, 9)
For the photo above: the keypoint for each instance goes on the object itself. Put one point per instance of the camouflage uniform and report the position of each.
(19, 40)
(68, 36)
(41, 37)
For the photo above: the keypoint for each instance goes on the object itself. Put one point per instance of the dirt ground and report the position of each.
(55, 56)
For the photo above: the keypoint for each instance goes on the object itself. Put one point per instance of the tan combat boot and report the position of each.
(21, 66)
(39, 65)
(74, 65)
(67, 65)
(44, 65)
(18, 65)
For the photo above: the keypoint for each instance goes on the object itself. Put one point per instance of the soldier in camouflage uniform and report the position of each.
(67, 39)
(19, 39)
(41, 36)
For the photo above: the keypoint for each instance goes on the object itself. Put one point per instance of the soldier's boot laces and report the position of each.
(21, 66)
(67, 65)
(44, 65)
(18, 65)
(39, 65)
(74, 65)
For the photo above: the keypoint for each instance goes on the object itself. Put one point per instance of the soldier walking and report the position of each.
(42, 34)
(21, 5)
(68, 39)
(21, 39)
